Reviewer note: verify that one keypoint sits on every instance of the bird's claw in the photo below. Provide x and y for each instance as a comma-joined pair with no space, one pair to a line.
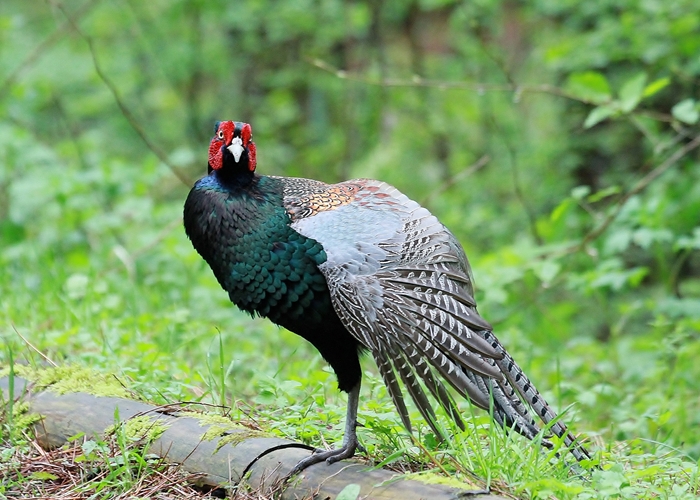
329,456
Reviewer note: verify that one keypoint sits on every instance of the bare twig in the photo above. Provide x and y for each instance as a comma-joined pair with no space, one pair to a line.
72,131
511,86
162,156
72,478
674,276
46,358
474,167
129,259
418,81
638,187
518,190
517,185
162,234
43,47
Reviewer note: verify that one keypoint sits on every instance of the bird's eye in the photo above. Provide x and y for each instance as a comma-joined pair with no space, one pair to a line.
220,135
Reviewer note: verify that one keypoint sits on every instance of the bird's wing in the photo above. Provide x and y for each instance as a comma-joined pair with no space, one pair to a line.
401,284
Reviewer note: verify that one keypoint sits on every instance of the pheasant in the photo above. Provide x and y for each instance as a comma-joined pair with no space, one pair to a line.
358,267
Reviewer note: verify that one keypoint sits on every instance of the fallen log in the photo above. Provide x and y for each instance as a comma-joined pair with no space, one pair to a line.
221,453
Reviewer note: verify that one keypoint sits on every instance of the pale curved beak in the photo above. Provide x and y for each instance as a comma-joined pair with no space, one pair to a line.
236,148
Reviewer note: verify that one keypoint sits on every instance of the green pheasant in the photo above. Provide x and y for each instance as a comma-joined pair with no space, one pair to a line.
358,267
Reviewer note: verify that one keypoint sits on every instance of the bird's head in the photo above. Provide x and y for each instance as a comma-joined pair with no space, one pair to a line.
232,147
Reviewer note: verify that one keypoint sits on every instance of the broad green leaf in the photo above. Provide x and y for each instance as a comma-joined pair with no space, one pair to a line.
11,232
677,308
686,111
597,115
393,457
617,280
580,192
350,492
664,417
631,92
590,86
645,236
76,286
618,241
546,270
603,193
652,470
75,437
560,209
689,242
655,86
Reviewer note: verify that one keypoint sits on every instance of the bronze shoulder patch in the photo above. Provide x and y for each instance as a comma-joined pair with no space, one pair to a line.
304,200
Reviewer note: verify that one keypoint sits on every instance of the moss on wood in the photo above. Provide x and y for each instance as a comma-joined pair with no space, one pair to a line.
71,378
140,428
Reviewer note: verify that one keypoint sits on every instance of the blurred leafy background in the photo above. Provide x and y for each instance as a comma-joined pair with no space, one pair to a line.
557,139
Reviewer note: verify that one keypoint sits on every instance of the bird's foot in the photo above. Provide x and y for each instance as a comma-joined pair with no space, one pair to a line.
330,456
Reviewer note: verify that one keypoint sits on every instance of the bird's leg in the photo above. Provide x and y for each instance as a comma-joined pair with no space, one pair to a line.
350,442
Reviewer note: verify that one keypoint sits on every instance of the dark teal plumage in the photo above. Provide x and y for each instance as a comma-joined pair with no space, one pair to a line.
267,268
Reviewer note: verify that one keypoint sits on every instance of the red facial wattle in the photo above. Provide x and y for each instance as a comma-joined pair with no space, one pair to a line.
226,137
252,160
215,154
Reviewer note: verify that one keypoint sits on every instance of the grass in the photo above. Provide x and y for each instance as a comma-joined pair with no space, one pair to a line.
110,282
110,468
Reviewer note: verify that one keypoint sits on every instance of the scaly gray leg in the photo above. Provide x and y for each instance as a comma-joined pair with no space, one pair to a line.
350,443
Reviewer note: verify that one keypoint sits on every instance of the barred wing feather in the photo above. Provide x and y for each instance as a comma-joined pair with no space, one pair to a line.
401,284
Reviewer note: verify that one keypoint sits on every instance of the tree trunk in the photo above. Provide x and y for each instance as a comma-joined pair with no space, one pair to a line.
262,460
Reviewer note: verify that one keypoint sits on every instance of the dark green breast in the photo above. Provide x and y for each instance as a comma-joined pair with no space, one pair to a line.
266,267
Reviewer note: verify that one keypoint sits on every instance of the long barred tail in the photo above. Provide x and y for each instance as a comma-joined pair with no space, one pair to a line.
529,393
427,332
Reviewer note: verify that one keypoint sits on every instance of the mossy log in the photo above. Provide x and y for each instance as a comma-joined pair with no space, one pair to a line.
221,455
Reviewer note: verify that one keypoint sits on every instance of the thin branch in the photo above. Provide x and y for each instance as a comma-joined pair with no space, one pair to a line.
72,130
517,185
46,358
43,47
129,259
517,188
512,86
471,169
495,58
162,156
640,186
674,275
418,81
162,234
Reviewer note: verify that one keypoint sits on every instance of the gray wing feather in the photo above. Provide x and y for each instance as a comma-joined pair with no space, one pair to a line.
401,284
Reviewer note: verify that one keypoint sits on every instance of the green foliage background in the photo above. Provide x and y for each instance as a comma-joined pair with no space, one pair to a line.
539,132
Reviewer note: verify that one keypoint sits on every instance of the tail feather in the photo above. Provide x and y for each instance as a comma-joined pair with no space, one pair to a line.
389,376
436,388
445,332
390,359
421,324
448,369
529,393
441,337
415,390
450,316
